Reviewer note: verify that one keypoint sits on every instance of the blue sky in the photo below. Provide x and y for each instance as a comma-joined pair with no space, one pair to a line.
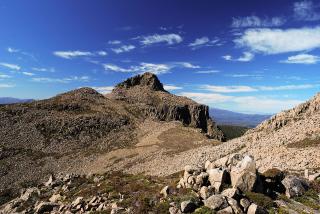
246,56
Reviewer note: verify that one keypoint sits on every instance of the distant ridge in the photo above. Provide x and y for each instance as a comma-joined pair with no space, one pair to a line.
225,117
12,100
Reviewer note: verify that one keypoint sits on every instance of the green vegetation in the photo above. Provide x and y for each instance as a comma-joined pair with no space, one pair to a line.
204,210
231,131
260,199
309,199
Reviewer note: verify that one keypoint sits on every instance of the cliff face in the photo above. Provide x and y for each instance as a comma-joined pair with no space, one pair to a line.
147,94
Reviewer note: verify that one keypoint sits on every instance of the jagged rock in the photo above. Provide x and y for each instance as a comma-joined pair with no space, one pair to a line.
230,192
222,162
174,210
243,175
30,193
227,210
43,207
206,192
56,197
255,209
216,202
314,176
217,178
234,205
245,203
188,206
208,165
77,201
165,191
294,186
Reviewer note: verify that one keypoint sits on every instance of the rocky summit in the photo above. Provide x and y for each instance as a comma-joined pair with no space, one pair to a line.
141,149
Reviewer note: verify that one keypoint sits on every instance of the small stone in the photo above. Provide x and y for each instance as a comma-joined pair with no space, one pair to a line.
227,210
77,201
230,192
255,209
165,191
294,185
245,203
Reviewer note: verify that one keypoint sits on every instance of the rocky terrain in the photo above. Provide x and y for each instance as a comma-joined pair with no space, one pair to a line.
74,131
114,154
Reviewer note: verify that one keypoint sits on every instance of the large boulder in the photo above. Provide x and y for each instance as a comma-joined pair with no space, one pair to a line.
218,177
244,175
216,202
294,186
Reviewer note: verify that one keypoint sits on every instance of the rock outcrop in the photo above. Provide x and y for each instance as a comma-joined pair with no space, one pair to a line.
147,95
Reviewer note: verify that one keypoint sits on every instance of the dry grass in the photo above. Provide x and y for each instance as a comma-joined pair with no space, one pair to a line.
305,143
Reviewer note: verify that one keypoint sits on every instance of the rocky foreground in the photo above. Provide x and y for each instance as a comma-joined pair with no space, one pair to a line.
230,185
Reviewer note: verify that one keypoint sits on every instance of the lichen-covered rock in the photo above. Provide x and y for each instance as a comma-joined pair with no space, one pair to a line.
216,202
294,186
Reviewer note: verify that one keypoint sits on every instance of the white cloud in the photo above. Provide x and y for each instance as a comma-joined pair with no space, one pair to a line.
12,50
286,87
114,42
171,87
4,76
141,68
102,53
228,89
111,67
104,89
252,104
227,57
245,75
28,73
61,80
11,66
153,68
7,85
275,41
43,69
208,72
72,54
305,10
246,57
245,88
204,41
187,65
302,59
123,48
170,39
254,21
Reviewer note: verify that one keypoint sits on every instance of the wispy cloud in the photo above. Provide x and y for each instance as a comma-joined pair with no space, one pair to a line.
114,42
275,41
245,88
11,66
246,57
302,59
187,65
172,87
4,76
252,104
102,53
203,42
255,21
169,39
72,54
208,72
43,69
141,68
28,73
12,50
104,89
61,80
245,75
7,85
123,48
228,89
306,11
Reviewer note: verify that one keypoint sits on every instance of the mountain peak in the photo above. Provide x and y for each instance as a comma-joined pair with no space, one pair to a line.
147,79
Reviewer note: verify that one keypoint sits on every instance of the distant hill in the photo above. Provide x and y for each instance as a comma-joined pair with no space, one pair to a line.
11,100
225,117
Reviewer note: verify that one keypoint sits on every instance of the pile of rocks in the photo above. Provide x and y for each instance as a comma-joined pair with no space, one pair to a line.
50,197
223,186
